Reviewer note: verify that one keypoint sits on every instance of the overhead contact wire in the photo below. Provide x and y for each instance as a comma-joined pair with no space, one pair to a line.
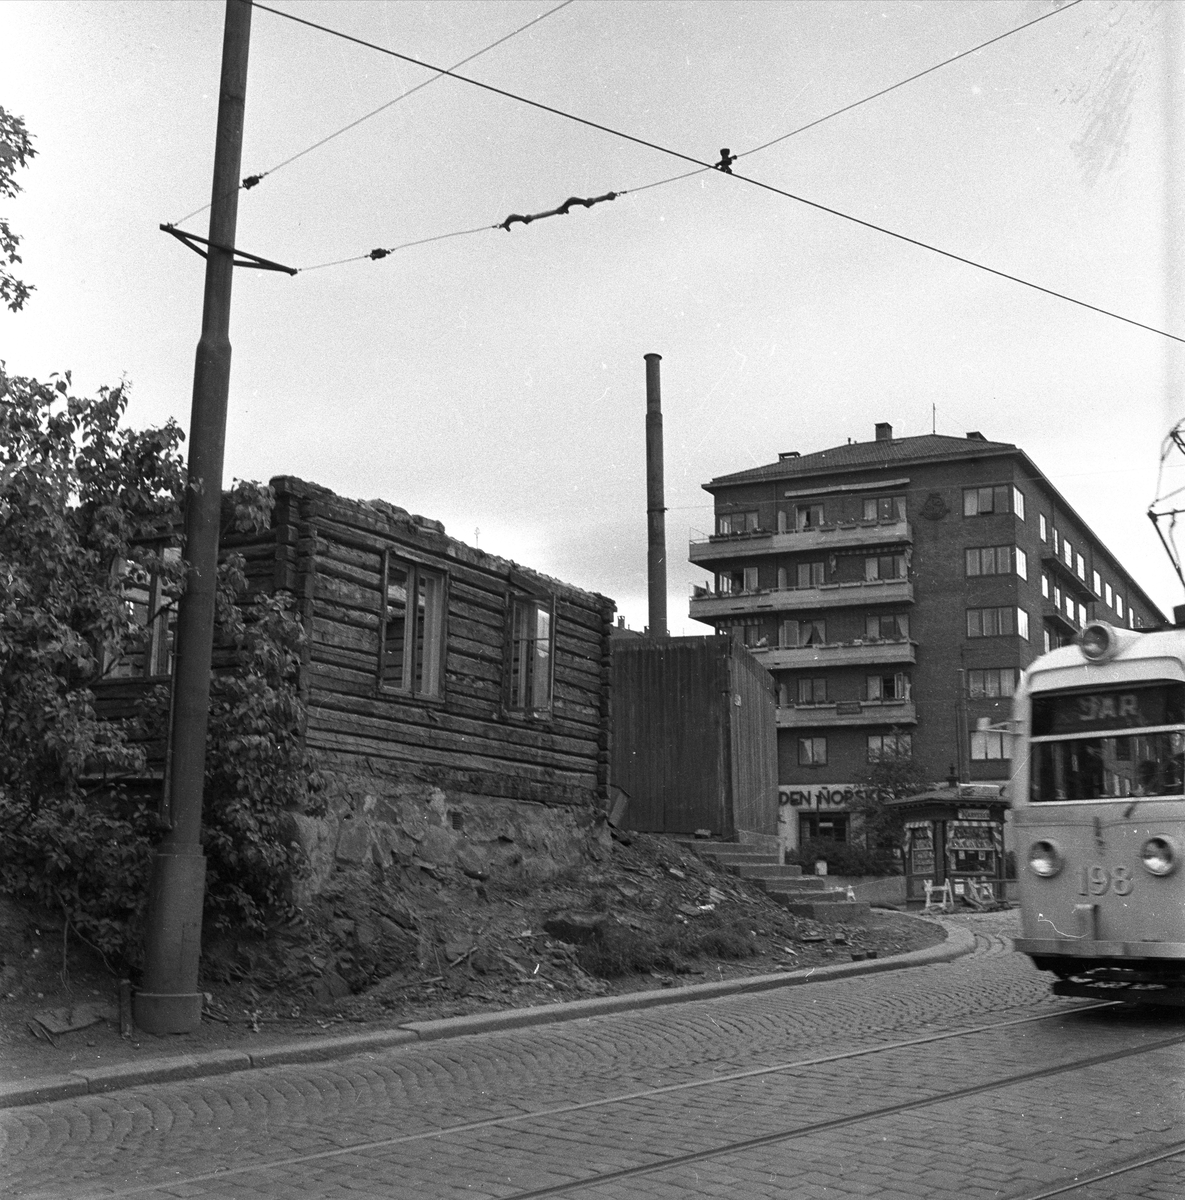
769,187
251,180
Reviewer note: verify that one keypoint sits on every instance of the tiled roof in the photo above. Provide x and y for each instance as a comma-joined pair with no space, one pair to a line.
869,454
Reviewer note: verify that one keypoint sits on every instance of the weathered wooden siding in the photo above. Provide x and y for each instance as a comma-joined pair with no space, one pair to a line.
684,752
753,739
468,738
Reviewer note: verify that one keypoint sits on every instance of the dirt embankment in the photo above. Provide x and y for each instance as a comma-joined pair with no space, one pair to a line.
646,913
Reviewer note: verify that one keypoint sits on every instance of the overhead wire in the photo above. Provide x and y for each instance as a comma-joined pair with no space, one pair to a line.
250,181
640,141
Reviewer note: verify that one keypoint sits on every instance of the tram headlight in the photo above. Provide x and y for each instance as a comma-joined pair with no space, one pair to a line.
1158,856
1045,859
1097,641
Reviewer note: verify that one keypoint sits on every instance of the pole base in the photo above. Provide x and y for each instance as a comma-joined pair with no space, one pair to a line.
176,1012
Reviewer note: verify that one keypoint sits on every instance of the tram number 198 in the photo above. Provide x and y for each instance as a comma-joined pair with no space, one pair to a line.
1097,880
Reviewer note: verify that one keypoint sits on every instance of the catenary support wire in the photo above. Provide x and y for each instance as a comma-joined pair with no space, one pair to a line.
252,180
700,163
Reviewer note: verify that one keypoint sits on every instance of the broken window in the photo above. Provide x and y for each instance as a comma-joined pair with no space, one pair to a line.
153,615
411,629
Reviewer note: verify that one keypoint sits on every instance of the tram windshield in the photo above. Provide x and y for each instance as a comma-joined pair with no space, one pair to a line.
1108,743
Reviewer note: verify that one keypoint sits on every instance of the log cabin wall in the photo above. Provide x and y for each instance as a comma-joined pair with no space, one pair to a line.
468,732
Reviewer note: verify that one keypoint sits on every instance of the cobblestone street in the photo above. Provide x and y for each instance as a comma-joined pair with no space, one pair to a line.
965,1078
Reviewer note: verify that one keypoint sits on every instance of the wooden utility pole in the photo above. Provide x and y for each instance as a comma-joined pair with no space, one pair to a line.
169,1000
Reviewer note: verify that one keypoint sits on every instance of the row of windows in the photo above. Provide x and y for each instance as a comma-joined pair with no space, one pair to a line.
987,745
803,517
812,574
412,635
992,501
881,747
1003,621
997,622
813,690
1064,549
413,631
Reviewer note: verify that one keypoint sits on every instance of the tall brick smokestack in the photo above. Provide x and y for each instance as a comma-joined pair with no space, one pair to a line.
656,550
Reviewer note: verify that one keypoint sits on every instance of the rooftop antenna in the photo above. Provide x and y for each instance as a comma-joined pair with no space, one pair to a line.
933,418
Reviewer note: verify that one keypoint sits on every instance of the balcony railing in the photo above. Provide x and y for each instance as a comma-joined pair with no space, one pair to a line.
848,713
1067,576
867,652
844,535
706,604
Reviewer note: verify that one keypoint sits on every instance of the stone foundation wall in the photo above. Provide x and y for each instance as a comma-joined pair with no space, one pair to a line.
374,823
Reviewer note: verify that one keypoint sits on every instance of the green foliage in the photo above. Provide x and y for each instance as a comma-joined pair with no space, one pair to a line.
16,149
81,502
891,778
843,858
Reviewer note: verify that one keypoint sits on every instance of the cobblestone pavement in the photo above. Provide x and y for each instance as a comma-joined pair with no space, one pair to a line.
826,1090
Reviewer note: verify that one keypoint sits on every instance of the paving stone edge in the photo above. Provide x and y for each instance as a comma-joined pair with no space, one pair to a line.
959,941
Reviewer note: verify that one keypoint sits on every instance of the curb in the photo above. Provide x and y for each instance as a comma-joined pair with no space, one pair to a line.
91,1081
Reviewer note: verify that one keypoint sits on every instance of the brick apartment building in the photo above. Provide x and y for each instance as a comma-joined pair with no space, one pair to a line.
896,589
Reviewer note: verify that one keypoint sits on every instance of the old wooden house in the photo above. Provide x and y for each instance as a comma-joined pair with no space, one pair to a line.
458,703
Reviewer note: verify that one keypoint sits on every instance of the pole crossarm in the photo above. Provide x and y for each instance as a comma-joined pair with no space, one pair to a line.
242,258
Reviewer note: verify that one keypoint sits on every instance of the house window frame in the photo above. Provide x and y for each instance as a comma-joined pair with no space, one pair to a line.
416,573
876,744
156,657
515,695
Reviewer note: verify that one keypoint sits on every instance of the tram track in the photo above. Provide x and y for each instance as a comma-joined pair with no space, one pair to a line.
675,1161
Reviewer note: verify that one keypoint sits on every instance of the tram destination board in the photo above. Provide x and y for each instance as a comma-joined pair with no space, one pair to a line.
1128,707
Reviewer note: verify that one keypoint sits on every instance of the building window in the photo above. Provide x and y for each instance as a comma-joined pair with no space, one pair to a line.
1069,606
804,633
1080,567
808,516
1110,595
1018,502
885,566
1045,586
890,747
990,744
889,687
152,613
992,622
886,626
812,751
985,501
1119,605
531,654
1022,623
991,683
731,583
750,579
1097,583
1042,528
1048,641
996,560
737,522
812,691
411,629
1068,553
822,827
1081,614
810,575
884,508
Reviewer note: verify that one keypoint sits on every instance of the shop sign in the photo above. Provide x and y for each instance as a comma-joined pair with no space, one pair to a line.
823,795
975,814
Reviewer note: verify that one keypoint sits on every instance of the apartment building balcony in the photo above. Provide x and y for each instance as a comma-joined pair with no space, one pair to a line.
848,713
1056,619
847,535
1067,577
707,606
869,652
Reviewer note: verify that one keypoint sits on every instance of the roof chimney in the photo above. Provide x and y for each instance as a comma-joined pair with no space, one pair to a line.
785,454
975,436
884,431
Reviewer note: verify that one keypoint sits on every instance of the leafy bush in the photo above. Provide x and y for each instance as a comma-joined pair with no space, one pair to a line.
843,858
79,497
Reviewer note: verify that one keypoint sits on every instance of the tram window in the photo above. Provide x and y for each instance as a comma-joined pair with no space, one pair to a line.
1108,767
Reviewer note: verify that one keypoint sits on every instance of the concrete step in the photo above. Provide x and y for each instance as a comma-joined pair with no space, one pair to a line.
731,849
780,889
792,874
834,912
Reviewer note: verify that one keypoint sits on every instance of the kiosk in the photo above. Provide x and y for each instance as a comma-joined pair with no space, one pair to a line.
954,835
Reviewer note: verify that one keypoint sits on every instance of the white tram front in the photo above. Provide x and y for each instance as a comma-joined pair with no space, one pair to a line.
1098,802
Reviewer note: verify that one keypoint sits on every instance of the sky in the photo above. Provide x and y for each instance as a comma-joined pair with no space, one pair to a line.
495,381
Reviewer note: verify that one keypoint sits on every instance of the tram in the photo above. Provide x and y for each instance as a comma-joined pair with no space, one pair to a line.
1098,801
